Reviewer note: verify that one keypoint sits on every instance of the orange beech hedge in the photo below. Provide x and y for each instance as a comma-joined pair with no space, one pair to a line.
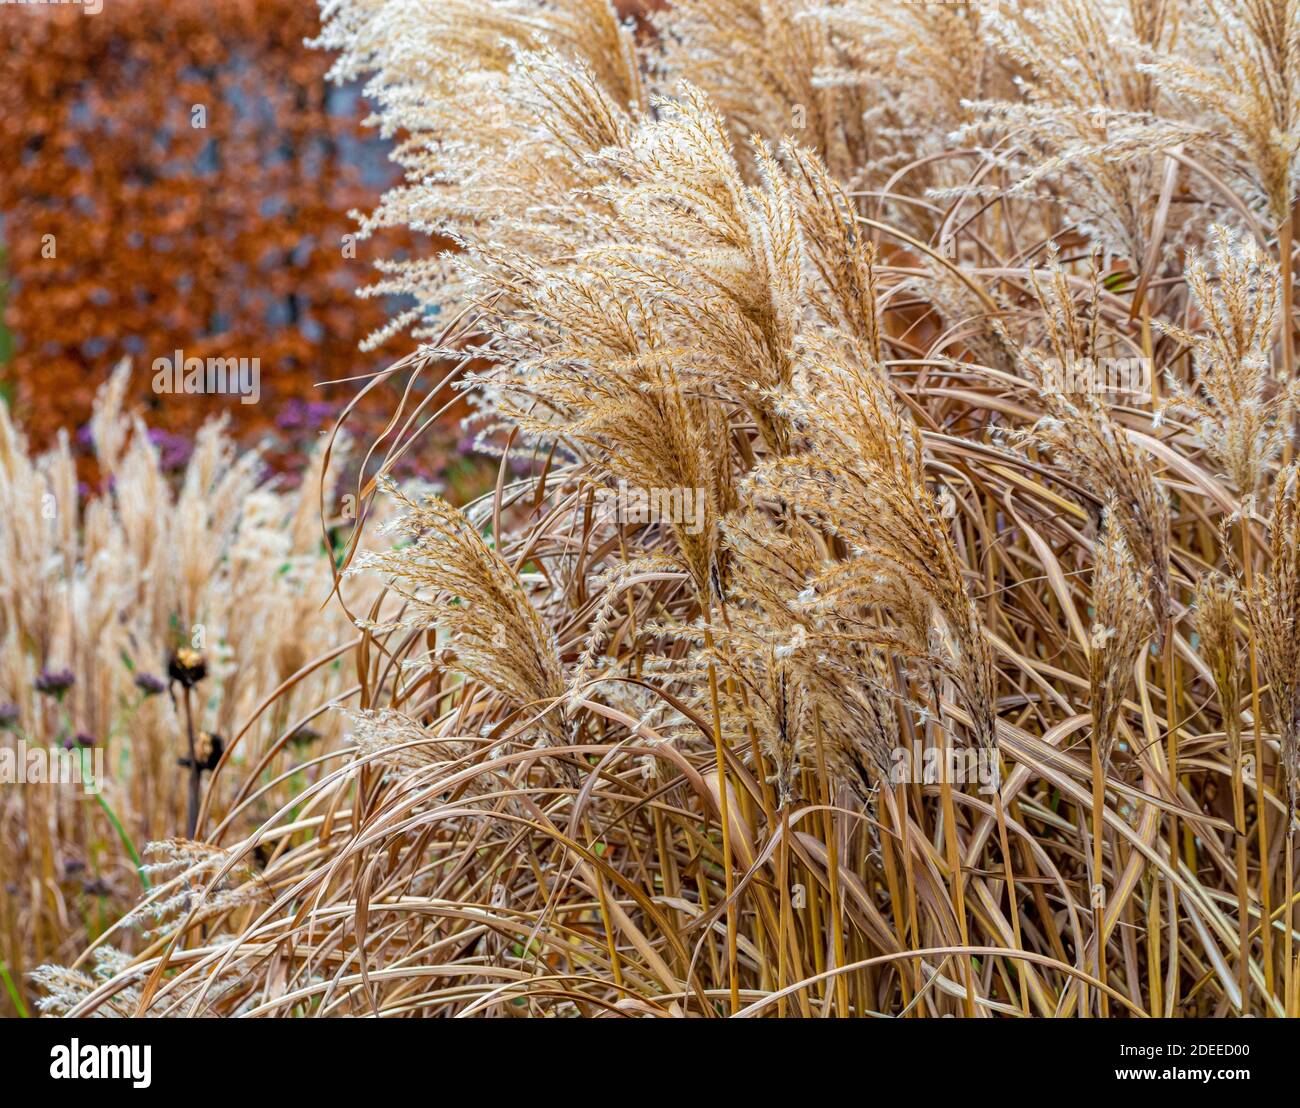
178,177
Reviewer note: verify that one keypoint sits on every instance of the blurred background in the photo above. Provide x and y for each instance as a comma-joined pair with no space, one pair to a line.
180,176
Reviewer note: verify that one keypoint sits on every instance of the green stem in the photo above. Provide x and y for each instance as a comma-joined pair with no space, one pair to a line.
12,990
117,826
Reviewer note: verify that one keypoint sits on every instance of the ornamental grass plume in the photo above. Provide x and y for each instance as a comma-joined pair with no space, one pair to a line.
1240,414
1082,435
863,481
765,66
453,581
1083,121
1121,625
1237,63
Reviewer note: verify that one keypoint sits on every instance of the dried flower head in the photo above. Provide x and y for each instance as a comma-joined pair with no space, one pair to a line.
187,667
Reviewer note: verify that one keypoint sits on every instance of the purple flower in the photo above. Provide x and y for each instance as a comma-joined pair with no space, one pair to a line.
8,715
54,682
297,415
173,450
150,685
293,416
320,412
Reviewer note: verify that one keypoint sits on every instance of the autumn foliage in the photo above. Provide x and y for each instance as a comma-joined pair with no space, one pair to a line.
179,176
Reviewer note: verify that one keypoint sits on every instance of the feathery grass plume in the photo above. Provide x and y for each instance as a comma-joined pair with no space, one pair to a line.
456,583
1086,441
1083,119
549,206
1238,66
27,539
182,870
781,674
836,626
1242,426
923,60
861,723
844,294
692,302
608,383
1121,625
734,309
1273,604
401,744
64,988
491,149
863,481
119,980
806,650
1215,612
765,697
761,62
916,67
